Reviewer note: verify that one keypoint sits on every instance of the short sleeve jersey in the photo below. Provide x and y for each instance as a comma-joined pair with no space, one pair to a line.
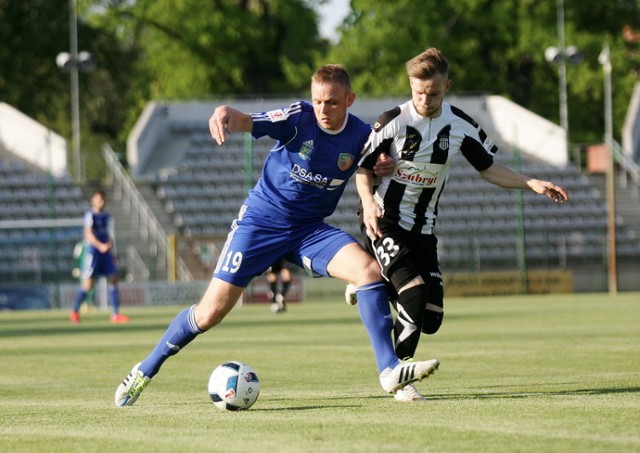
99,222
307,170
423,149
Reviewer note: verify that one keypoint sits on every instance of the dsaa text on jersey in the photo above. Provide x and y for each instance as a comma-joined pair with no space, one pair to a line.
307,177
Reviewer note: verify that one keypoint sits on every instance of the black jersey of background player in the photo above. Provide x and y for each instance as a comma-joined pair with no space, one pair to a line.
423,149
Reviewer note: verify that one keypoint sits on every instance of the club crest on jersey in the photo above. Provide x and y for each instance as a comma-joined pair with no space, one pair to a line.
444,143
306,149
345,161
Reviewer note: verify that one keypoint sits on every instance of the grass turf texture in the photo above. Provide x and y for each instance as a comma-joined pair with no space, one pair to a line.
538,373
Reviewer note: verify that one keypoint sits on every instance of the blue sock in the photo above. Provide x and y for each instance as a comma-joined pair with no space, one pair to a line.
80,295
180,332
373,305
114,297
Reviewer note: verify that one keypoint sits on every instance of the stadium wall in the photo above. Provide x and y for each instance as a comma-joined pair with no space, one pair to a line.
501,119
526,131
32,142
457,284
631,127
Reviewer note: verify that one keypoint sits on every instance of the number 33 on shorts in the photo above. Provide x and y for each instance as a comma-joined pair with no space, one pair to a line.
386,250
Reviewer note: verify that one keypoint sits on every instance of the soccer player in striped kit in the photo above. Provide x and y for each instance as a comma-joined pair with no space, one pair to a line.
317,148
279,279
422,136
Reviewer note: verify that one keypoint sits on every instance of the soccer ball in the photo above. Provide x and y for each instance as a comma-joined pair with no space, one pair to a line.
234,386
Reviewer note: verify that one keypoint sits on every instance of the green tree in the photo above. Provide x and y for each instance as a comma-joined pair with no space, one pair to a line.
198,49
495,47
31,37
195,49
32,33
150,50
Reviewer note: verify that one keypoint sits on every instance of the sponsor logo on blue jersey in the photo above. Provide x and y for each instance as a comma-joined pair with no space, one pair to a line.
276,115
306,176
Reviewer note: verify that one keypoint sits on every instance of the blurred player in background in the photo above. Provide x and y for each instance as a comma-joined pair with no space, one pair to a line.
279,279
422,136
317,148
100,259
79,254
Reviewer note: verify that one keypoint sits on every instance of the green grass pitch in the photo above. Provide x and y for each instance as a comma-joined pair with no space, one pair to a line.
549,373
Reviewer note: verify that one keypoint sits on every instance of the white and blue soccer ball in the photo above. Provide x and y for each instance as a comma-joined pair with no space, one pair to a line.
233,386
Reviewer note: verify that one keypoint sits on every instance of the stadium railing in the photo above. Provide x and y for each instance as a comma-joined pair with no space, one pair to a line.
149,227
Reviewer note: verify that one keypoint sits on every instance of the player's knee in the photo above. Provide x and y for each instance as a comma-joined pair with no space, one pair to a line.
434,309
367,274
432,321
412,302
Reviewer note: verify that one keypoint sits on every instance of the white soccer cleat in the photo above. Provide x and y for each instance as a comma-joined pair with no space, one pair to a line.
128,392
278,305
350,294
406,372
409,394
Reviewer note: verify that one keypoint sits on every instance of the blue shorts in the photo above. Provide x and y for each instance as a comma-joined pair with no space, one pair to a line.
96,264
255,242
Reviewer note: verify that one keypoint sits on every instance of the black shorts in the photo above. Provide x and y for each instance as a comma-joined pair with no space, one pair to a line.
404,255
279,265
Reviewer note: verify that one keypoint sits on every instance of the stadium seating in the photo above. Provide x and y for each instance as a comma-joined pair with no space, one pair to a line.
479,225
37,254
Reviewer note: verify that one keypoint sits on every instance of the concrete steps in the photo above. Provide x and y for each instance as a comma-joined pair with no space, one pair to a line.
186,248
127,231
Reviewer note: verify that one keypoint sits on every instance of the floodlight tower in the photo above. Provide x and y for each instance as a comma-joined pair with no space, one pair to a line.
73,62
560,56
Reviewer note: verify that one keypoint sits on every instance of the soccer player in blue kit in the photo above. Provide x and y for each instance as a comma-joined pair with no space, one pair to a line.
99,258
317,148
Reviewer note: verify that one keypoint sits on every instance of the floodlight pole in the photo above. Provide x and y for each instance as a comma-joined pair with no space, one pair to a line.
605,60
75,90
562,75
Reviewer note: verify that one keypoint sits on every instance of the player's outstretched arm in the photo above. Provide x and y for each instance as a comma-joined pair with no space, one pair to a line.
504,177
556,193
226,120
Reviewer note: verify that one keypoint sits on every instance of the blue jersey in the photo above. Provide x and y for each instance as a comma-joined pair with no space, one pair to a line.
307,171
302,180
96,263
100,224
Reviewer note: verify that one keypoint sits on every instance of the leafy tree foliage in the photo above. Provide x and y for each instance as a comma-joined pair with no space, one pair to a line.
197,49
160,49
496,47
30,33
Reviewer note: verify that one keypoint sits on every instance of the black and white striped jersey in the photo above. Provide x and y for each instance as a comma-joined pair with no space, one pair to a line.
422,149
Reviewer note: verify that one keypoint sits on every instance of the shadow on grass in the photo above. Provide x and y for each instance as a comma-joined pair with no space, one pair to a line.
535,394
306,408
80,329
94,325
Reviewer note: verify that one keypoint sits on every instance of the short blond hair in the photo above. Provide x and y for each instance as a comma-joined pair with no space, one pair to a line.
332,73
427,64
